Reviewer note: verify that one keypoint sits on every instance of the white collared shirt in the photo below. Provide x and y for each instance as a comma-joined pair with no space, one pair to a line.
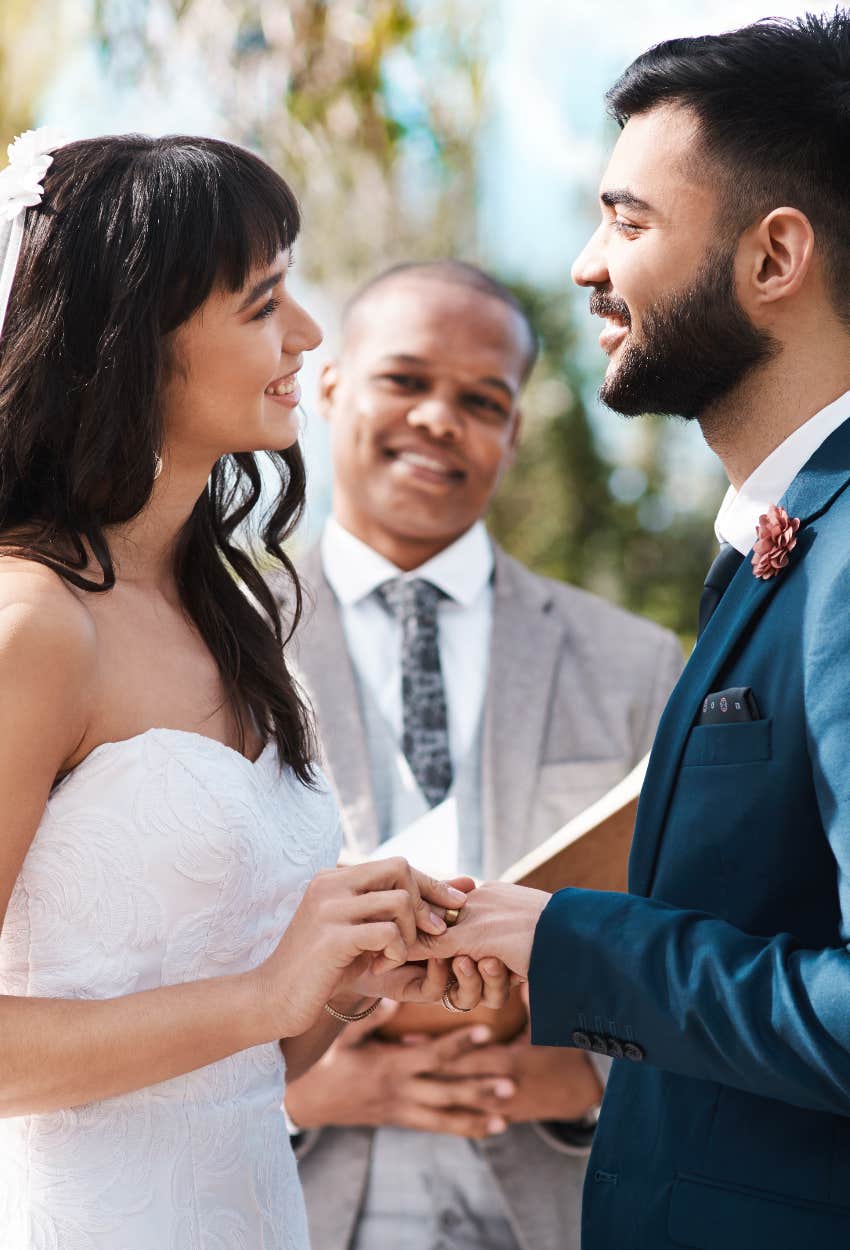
464,572
739,513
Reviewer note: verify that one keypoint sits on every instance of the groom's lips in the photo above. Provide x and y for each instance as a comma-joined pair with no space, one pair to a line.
614,333
617,320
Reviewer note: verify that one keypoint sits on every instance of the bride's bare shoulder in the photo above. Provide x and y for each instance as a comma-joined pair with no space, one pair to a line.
40,612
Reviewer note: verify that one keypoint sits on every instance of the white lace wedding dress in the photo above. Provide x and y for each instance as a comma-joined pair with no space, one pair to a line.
162,859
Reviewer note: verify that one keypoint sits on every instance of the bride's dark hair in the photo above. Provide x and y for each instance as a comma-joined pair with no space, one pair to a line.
131,237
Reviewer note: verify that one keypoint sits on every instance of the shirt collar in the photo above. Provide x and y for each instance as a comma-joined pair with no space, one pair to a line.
354,569
739,513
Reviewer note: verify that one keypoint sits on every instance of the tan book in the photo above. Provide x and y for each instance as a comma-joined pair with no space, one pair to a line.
590,851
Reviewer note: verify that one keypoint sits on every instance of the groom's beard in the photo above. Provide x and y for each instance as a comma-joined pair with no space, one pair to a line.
698,344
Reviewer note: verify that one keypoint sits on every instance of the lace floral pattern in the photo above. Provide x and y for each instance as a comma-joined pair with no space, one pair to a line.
162,859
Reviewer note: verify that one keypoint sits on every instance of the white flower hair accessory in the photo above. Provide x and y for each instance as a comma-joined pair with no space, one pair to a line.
21,187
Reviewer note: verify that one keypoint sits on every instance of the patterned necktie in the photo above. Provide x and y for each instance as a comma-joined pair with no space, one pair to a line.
425,734
723,568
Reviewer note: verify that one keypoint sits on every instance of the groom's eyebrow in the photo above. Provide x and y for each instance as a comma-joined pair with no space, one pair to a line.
621,197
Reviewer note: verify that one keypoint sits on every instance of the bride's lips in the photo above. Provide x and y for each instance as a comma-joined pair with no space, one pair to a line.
285,390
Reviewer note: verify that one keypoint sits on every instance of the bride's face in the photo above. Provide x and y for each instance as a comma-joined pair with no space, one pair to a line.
234,380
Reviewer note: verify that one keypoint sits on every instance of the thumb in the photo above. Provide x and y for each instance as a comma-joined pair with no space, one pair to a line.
361,1030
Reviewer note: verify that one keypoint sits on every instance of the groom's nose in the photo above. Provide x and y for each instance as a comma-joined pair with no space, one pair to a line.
590,267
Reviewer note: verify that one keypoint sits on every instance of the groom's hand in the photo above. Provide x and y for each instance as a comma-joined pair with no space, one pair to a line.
362,1080
497,920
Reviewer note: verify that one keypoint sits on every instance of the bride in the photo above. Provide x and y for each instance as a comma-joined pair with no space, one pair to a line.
174,935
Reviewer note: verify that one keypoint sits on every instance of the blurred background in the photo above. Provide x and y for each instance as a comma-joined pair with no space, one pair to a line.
418,129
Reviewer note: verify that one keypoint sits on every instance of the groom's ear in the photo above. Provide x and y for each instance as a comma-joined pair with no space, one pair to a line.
328,383
775,259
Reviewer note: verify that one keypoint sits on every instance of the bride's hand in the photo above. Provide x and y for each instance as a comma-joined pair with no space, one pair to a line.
487,983
350,918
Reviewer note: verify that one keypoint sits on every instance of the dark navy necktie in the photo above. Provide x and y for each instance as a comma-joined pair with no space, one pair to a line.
425,724
723,568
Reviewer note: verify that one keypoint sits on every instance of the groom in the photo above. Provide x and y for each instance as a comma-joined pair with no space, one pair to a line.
721,983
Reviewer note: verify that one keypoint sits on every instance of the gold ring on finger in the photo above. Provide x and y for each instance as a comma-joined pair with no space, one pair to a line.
447,999
451,916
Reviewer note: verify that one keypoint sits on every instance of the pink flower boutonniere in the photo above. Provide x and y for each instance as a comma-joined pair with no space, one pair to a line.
776,538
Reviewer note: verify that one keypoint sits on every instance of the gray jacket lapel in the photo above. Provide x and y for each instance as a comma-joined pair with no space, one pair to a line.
324,668
526,645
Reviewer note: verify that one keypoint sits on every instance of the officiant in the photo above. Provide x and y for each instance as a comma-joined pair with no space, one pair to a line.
471,707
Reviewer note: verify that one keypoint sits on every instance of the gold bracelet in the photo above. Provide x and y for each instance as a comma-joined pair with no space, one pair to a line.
360,1015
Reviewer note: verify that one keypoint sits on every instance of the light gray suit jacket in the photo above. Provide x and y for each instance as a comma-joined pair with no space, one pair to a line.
575,690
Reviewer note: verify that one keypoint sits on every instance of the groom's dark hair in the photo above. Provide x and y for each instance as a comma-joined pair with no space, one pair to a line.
772,102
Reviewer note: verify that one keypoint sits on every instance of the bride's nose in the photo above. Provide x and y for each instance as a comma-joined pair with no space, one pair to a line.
302,334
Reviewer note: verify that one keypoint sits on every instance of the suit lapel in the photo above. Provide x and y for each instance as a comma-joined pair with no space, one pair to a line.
744,597
324,665
825,475
524,650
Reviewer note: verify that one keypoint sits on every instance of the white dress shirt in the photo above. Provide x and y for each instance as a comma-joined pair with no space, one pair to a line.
464,571
738,517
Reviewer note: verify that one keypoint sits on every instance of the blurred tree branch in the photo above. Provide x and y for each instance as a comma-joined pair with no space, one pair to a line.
369,108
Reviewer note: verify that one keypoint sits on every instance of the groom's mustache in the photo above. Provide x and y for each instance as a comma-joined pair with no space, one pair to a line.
602,305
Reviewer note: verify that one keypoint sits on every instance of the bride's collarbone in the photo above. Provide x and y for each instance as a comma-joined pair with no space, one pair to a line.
155,672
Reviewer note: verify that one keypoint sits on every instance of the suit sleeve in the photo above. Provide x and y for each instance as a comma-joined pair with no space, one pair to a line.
700,997
569,1137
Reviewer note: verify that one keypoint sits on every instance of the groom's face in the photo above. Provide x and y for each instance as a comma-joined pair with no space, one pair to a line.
662,273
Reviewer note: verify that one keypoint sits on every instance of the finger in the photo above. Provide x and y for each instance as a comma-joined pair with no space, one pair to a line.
384,938
496,982
433,985
481,1061
448,1049
465,884
442,945
466,994
433,894
457,1123
395,873
484,1094
359,1030
387,905
410,983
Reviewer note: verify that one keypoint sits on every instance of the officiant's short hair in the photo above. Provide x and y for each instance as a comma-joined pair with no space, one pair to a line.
772,105
456,273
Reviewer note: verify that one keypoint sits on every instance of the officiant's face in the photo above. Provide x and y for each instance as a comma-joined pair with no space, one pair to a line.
662,271
423,410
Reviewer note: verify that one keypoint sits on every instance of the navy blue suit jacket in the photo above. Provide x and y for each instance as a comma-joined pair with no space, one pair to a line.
723,977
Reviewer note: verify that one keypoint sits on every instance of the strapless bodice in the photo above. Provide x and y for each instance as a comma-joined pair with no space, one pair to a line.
163,858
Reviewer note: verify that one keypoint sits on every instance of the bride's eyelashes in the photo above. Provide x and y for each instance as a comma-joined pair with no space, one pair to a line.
270,307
